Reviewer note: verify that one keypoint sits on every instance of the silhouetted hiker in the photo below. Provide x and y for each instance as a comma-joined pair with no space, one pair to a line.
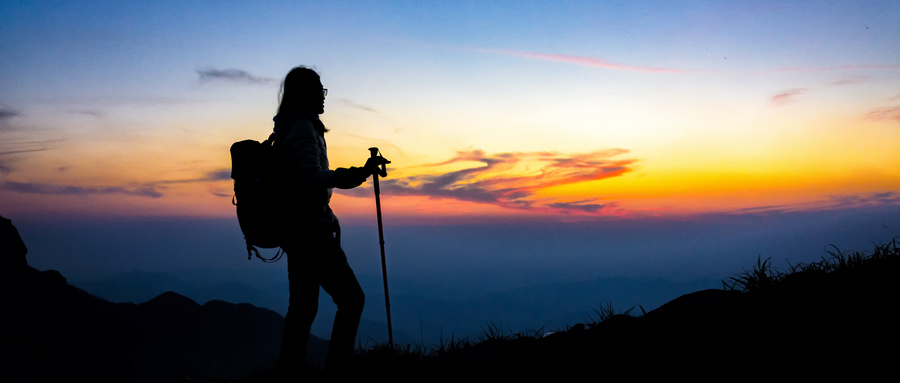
313,248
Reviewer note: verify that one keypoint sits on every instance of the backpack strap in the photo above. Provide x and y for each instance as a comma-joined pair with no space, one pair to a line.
252,250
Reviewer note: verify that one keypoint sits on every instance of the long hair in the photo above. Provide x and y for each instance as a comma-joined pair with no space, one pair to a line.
299,93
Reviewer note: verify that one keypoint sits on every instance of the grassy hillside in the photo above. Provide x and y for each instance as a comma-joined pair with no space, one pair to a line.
832,319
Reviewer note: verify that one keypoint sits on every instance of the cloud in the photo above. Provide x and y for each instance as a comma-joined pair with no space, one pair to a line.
87,112
231,75
799,69
357,106
787,96
43,188
586,61
829,202
7,113
580,206
822,69
894,66
512,180
884,114
218,192
862,200
11,151
212,176
219,175
148,189
7,152
18,147
849,81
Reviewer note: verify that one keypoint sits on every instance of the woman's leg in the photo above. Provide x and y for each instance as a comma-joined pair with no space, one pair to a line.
340,283
302,307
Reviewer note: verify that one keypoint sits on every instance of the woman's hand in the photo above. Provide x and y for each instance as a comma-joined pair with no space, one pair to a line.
375,165
350,178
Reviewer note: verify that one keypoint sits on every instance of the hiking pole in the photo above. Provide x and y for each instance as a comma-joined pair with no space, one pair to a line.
387,299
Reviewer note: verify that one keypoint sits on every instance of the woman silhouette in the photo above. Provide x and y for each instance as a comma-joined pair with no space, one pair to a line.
312,240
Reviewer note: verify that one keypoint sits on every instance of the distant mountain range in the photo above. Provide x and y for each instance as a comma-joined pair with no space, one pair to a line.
57,332
421,314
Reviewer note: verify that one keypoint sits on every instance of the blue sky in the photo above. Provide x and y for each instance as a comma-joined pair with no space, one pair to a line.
131,104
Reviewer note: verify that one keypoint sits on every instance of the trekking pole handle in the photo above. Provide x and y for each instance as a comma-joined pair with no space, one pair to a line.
375,153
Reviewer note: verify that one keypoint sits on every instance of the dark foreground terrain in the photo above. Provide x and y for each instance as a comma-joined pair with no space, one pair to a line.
55,332
831,320
834,320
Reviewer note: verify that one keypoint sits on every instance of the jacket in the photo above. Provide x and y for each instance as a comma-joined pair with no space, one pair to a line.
302,149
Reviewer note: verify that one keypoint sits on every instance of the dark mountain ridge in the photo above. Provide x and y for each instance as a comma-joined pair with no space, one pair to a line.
60,333
54,331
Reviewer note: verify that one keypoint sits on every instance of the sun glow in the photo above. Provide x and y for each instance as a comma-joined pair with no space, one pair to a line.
509,126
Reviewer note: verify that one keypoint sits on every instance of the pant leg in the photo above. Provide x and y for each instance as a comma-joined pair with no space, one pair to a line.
303,304
338,280
318,260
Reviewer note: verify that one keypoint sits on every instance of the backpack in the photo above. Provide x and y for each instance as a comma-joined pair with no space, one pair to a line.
259,195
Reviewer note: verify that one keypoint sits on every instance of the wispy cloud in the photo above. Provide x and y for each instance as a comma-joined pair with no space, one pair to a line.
219,175
230,75
884,114
11,152
863,200
212,176
219,192
45,188
512,180
148,189
19,151
849,81
586,61
799,69
585,206
845,201
88,112
357,106
7,113
822,69
892,66
787,96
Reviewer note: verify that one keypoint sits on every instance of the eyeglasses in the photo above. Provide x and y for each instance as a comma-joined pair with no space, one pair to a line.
324,92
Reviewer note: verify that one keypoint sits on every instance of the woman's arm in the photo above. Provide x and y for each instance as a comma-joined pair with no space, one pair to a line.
308,158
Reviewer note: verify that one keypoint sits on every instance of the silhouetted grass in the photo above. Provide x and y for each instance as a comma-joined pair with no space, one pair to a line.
761,276
764,276
605,312
460,357
497,332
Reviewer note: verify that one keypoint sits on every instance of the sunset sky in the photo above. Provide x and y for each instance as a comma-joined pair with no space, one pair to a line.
485,108
531,142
